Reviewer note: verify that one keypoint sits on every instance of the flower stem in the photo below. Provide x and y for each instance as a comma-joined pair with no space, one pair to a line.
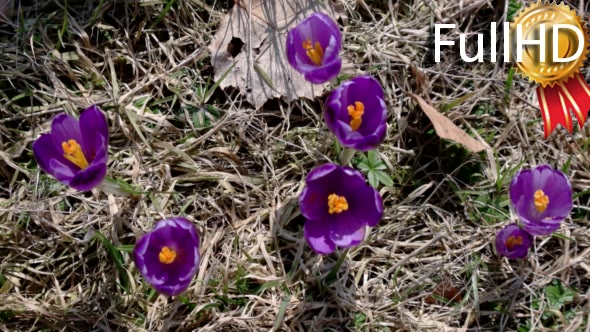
346,156
331,277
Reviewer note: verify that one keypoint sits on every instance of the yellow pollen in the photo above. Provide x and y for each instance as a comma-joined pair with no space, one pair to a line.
73,152
315,52
513,241
167,255
337,204
541,200
356,112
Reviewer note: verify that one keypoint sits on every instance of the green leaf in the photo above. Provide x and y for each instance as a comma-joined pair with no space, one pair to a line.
581,193
525,328
457,102
563,237
373,158
364,167
359,320
281,314
558,295
513,8
509,82
162,14
567,164
373,180
384,178
204,117
117,259
216,85
126,248
187,302
380,167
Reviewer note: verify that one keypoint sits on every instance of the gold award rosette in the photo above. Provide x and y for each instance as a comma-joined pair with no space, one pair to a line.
561,86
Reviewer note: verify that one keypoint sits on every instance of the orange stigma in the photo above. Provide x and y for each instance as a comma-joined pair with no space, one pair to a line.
167,255
315,52
73,152
356,112
541,200
337,204
513,241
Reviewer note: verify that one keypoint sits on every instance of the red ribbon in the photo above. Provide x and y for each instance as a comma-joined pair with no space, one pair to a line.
557,101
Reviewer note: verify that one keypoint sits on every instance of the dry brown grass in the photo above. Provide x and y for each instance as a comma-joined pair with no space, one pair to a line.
238,179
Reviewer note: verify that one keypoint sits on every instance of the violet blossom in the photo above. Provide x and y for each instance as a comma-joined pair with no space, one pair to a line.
513,242
313,48
541,198
356,114
76,151
338,205
168,256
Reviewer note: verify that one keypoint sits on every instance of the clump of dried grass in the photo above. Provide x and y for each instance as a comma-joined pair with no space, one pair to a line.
239,178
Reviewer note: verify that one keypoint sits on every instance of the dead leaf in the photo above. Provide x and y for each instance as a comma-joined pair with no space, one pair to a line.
445,128
250,49
445,291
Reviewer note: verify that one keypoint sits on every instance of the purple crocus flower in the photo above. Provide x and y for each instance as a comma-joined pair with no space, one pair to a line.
338,204
313,48
356,113
542,199
75,152
168,256
513,242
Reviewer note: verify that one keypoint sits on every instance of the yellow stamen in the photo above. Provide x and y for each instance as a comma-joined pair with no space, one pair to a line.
315,52
73,152
513,241
541,200
356,112
167,255
337,204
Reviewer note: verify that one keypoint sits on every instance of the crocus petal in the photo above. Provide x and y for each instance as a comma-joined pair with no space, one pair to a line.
158,274
296,55
559,190
376,122
65,128
93,125
332,49
51,160
516,188
347,231
172,289
321,171
313,201
325,73
317,234
89,178
94,174
329,37
541,227
146,259
61,172
371,210
188,262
